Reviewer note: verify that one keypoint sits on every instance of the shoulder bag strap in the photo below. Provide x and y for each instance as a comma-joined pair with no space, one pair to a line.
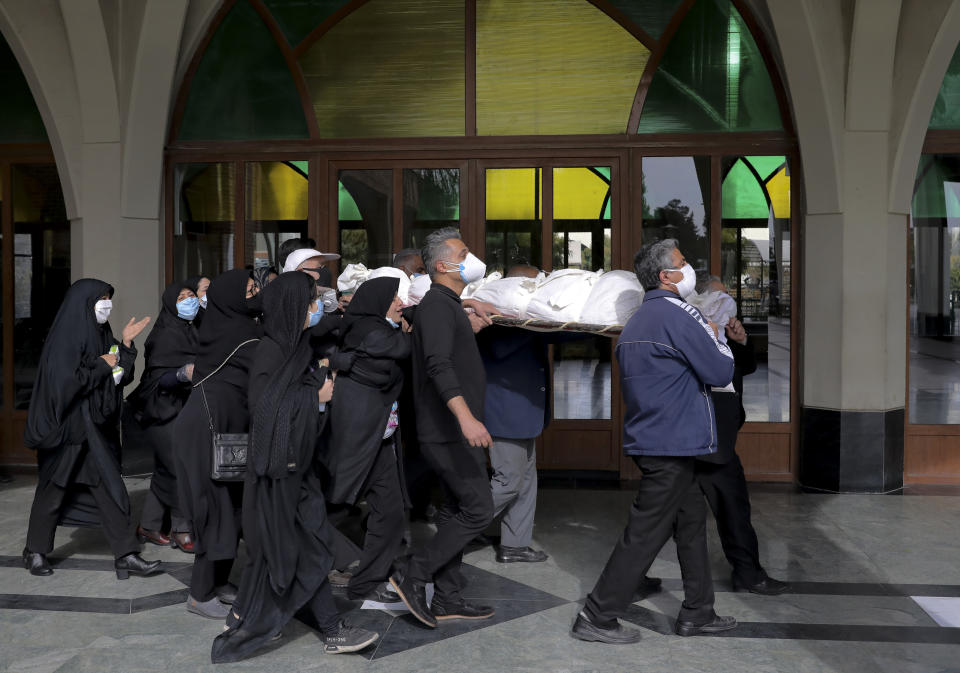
248,341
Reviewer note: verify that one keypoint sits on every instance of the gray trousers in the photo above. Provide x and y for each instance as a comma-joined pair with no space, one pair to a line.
514,486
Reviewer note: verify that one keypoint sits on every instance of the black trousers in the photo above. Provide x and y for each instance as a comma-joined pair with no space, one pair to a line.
381,544
208,575
668,502
725,487
46,511
466,511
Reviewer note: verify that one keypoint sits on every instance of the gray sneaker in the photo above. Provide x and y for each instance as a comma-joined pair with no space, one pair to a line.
348,639
211,609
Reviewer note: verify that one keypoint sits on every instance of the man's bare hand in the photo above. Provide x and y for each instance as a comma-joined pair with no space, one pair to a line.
475,433
477,323
482,309
735,331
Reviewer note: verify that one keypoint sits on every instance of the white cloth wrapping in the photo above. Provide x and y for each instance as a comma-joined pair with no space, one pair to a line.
418,288
510,295
717,307
562,295
354,275
470,289
614,298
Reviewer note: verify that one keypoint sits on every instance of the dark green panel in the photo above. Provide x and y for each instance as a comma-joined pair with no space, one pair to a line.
243,89
653,17
946,111
711,78
20,120
297,18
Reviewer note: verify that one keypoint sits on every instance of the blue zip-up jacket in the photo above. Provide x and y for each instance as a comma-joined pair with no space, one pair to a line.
669,359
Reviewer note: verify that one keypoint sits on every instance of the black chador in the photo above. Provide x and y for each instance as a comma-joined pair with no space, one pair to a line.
288,538
73,424
223,365
156,403
360,461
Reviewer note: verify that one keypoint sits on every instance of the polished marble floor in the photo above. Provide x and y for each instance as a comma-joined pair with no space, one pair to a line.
876,583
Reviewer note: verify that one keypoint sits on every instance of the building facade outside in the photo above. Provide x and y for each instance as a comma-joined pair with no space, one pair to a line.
804,151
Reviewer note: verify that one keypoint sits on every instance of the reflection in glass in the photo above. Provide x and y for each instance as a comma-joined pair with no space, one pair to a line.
431,200
935,292
755,268
514,231
676,204
203,221
365,213
276,194
41,262
581,378
581,218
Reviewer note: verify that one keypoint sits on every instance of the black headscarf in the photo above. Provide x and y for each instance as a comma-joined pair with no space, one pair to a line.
228,322
172,343
287,346
367,311
75,340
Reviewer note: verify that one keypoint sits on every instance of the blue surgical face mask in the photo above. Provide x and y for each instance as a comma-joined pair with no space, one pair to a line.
314,318
188,308
393,323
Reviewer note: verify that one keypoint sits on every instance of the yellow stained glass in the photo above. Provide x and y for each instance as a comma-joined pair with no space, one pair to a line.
275,191
553,67
514,194
391,68
778,188
578,194
209,193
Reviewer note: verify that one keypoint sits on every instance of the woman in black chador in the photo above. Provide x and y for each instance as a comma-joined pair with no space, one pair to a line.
228,339
170,352
363,459
73,424
285,525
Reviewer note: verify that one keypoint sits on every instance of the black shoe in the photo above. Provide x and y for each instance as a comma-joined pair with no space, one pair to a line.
348,639
716,625
384,593
767,586
227,593
618,634
36,563
460,609
134,564
414,596
519,554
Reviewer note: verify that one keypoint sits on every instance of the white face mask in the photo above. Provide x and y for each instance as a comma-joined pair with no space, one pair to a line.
102,310
686,286
470,269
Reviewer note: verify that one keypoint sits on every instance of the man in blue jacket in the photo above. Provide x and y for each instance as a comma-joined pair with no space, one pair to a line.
669,358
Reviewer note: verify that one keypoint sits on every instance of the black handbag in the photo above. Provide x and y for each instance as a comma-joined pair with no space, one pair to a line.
229,458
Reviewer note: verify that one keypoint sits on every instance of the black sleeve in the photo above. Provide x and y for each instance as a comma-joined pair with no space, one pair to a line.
436,324
745,356
128,360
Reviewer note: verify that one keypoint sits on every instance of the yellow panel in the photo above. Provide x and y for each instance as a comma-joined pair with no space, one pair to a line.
514,194
778,187
275,191
209,194
548,67
578,194
392,68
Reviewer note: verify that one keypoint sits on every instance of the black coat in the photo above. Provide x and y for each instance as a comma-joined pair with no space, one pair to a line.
728,407
73,420
359,411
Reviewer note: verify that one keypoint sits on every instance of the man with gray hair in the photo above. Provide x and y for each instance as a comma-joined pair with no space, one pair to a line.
448,392
669,358
410,262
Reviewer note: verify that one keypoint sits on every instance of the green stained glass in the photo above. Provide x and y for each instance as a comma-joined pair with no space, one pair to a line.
742,195
766,166
946,110
347,209
297,18
712,78
653,17
302,166
242,89
20,119
938,193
